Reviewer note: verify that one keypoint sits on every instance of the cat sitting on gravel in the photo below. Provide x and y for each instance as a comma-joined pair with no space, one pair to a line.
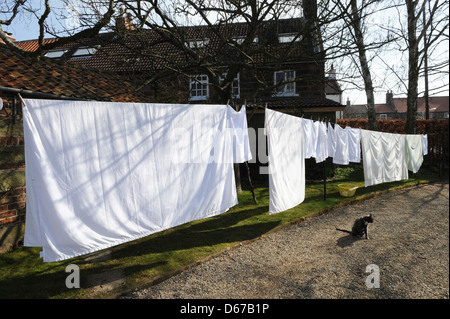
360,226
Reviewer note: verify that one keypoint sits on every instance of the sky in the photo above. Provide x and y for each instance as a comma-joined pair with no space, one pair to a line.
25,28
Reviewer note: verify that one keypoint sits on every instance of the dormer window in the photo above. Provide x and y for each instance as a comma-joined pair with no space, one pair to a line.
85,52
55,54
289,37
240,40
198,43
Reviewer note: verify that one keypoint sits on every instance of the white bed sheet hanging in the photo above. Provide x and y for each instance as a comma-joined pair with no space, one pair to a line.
414,152
384,157
341,155
241,143
99,174
309,138
322,142
286,160
354,144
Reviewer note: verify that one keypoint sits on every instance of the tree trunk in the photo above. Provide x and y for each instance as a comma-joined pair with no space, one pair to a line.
413,68
359,40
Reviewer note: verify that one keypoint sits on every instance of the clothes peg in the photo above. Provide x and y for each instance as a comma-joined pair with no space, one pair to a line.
21,99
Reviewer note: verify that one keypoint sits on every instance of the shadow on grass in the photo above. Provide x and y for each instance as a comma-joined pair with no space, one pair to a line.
47,285
221,229
47,280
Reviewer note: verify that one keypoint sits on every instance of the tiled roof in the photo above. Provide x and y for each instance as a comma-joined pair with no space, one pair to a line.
436,103
308,102
32,45
144,50
55,77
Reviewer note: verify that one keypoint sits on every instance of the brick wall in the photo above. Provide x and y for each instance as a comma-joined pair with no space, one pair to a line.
11,140
12,206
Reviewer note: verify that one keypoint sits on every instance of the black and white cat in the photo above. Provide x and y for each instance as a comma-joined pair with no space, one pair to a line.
360,226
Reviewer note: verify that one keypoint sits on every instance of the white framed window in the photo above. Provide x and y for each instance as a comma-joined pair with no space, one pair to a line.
198,43
198,87
235,86
241,39
287,77
383,116
289,37
85,52
55,54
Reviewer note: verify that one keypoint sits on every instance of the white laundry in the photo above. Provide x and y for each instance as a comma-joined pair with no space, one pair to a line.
341,155
99,174
241,144
286,161
310,138
414,152
354,144
331,140
322,142
425,144
384,157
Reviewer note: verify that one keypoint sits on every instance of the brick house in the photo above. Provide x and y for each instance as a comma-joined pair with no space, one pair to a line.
285,71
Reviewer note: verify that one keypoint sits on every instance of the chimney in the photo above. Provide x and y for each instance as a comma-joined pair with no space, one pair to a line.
124,22
390,100
310,9
332,73
9,36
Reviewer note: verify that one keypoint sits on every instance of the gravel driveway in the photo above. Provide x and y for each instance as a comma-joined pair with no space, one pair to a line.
408,251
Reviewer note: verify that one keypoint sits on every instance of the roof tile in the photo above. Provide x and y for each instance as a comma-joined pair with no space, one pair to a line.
50,76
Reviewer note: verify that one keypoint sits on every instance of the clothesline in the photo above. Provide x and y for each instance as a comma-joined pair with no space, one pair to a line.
386,156
99,174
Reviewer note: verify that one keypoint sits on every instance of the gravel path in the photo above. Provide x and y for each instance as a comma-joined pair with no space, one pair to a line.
409,242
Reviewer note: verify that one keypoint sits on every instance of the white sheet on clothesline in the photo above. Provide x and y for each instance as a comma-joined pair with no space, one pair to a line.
99,174
286,160
384,157
414,151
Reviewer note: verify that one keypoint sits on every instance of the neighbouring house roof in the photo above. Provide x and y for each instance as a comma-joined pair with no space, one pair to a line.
58,78
436,103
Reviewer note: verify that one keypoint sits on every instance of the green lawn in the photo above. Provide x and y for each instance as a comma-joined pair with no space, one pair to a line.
24,275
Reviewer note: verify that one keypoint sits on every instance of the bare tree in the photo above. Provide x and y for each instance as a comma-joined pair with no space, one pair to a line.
92,27
230,55
349,38
417,51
